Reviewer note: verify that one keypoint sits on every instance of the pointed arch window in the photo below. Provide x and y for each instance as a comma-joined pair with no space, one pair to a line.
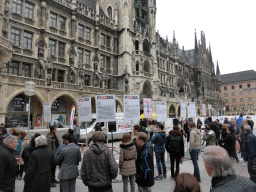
109,10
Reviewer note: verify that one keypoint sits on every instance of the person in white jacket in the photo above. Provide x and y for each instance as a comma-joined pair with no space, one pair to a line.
194,148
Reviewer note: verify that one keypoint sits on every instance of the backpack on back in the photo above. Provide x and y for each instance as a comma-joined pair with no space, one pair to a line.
175,142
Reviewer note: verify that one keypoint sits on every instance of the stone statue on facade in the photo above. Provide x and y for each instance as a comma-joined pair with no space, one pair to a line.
71,58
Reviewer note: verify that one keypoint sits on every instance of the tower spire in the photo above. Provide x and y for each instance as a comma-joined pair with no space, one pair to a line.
210,53
196,46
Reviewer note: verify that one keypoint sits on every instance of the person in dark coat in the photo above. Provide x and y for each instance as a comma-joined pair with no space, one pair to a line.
186,129
175,147
144,164
219,166
98,126
8,164
229,142
159,140
41,164
249,151
28,150
199,124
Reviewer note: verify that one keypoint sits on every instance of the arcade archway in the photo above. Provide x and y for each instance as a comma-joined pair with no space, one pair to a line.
17,111
172,113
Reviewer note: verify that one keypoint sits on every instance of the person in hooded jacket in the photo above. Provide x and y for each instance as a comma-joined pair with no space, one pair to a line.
99,166
175,147
127,158
194,148
144,164
159,140
209,136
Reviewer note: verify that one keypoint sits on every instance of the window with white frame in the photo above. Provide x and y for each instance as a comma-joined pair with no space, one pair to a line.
241,93
79,54
226,94
27,42
53,20
16,6
102,60
241,100
102,39
80,31
62,23
15,36
87,33
249,99
87,57
29,10
52,47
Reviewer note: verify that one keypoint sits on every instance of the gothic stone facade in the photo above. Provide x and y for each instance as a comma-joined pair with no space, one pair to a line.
72,49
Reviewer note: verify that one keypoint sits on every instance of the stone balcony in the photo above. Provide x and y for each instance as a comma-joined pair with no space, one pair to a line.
5,50
41,83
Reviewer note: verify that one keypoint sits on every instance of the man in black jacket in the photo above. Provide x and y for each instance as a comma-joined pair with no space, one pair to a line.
175,147
41,165
144,164
8,164
219,166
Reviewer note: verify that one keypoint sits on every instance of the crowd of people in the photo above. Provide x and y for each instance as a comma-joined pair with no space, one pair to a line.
38,157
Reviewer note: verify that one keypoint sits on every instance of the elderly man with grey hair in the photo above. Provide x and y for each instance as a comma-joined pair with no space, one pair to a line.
219,166
8,164
41,164
249,151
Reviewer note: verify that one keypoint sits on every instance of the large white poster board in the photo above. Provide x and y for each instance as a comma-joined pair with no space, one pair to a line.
204,109
161,111
192,109
131,107
105,108
122,126
182,108
47,111
147,102
85,111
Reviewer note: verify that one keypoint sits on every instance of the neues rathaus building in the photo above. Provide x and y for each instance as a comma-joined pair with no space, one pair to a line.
74,49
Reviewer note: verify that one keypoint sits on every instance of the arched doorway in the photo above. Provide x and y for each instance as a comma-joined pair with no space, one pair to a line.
61,110
172,113
119,108
145,93
17,112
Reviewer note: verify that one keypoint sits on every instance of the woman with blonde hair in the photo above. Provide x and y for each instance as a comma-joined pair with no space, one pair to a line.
127,158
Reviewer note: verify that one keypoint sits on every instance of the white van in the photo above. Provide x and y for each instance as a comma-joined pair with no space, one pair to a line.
121,127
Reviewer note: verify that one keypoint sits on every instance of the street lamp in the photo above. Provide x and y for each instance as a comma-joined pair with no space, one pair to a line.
30,85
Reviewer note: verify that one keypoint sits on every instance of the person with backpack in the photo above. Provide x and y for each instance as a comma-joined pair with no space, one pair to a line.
175,147
159,140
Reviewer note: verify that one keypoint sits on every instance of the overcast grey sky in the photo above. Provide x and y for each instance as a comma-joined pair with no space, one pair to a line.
229,26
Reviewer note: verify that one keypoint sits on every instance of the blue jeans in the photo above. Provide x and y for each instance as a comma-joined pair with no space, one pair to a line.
160,160
194,156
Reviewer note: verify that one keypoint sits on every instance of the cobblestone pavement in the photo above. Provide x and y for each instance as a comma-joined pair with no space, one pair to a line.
160,185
